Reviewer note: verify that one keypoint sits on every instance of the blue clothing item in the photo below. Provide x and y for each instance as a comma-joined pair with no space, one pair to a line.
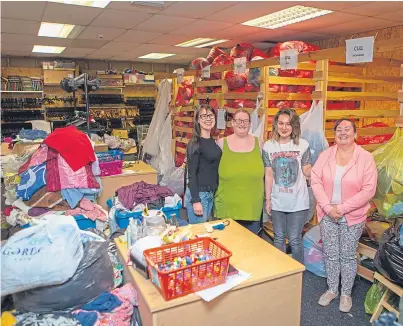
207,200
32,180
401,241
32,134
73,196
106,302
86,318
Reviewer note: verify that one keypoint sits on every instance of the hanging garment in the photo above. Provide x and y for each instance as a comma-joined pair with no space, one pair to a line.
164,161
60,175
70,142
151,144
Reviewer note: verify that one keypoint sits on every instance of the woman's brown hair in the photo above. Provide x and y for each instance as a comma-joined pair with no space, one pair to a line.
295,124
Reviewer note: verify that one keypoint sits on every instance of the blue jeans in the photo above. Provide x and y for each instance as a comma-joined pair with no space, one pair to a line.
289,224
207,200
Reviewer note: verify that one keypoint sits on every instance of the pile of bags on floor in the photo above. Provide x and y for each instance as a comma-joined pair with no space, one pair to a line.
58,274
59,178
389,162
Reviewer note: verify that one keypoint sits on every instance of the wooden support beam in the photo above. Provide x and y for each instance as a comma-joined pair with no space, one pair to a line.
184,119
344,79
290,81
371,147
182,129
240,96
400,96
355,96
289,96
339,114
210,83
187,108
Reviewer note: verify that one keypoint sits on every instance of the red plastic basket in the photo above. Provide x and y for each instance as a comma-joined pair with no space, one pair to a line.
188,279
111,168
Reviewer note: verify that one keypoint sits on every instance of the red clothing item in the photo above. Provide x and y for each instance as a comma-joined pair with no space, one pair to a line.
73,145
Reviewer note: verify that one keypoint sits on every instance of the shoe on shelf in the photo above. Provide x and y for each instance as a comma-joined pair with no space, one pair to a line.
326,298
346,303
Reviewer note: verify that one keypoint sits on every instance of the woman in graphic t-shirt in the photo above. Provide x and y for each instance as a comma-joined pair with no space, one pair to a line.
287,161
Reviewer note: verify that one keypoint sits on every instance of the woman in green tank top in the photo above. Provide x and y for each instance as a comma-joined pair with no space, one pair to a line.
241,176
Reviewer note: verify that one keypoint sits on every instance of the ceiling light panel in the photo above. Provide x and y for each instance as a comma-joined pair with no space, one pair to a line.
96,4
210,43
286,17
48,49
55,30
156,56
194,42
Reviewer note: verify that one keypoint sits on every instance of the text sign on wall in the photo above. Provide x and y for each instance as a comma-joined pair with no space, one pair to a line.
360,50
289,59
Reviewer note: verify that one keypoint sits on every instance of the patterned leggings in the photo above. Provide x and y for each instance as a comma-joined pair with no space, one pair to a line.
340,243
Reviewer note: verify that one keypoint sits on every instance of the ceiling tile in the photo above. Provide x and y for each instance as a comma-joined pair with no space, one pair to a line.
375,8
94,33
137,36
88,44
70,14
202,28
170,39
99,56
106,53
267,35
78,51
315,24
163,24
395,15
236,32
52,41
121,46
301,36
15,26
32,39
119,19
128,6
335,5
196,9
364,25
14,53
33,10
247,10
16,47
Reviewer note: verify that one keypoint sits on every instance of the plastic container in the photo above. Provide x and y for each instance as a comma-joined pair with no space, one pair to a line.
110,162
84,223
155,224
122,217
188,279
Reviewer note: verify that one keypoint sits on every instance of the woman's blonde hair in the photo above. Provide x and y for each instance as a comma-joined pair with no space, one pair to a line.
295,124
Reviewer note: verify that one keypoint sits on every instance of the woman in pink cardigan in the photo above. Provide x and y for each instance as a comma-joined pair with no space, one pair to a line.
344,180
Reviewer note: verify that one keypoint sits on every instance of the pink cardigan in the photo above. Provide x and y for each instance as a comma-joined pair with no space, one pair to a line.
358,184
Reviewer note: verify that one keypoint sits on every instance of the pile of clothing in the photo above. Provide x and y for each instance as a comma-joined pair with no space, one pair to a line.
61,177
64,262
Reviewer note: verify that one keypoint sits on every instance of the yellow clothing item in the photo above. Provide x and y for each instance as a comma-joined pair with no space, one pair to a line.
8,319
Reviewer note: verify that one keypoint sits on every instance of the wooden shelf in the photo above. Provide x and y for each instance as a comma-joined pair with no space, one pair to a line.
111,87
338,114
22,92
60,69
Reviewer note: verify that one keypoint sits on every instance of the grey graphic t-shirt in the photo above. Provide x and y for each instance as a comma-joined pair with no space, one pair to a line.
290,191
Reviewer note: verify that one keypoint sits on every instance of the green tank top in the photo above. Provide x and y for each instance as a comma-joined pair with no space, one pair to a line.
241,185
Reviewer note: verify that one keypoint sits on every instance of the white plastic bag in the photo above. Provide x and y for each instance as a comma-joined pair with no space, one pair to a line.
257,125
45,254
314,258
175,180
312,129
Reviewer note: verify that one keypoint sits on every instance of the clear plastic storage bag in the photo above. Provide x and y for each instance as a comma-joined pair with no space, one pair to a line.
175,180
312,129
389,162
44,254
314,258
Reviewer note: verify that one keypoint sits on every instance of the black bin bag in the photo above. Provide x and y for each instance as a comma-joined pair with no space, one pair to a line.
389,257
93,276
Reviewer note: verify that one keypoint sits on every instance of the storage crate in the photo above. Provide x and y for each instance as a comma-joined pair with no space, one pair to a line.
84,223
110,162
188,279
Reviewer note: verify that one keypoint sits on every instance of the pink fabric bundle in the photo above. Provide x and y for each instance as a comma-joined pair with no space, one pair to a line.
89,209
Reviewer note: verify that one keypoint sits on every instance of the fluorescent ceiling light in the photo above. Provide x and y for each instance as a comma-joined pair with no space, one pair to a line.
157,4
194,42
48,49
287,17
156,56
55,30
96,4
210,43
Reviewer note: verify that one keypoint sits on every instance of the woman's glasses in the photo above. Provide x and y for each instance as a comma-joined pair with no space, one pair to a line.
239,122
207,116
